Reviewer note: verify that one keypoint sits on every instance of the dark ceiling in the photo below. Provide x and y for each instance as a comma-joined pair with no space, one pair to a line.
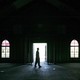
71,6
45,12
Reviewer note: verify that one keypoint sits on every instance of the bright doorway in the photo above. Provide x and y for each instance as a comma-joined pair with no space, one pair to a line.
42,51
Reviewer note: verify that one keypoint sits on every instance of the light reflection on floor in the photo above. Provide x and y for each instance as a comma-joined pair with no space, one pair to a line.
46,72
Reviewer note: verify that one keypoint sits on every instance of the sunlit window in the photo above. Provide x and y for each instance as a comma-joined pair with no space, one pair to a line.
74,49
5,49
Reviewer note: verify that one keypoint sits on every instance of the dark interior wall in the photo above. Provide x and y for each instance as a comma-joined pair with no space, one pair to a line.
26,50
22,49
28,58
17,49
58,47
51,50
61,50
29,48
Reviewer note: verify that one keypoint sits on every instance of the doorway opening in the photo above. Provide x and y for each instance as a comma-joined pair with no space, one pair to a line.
42,51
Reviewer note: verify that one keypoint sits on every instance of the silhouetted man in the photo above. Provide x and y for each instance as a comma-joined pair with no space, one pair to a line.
37,61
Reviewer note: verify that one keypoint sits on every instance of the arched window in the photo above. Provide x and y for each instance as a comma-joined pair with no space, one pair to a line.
5,49
74,49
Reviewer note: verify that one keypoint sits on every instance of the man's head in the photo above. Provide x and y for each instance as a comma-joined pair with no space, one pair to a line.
37,49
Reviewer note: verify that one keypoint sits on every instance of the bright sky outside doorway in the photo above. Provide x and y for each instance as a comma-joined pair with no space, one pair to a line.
42,50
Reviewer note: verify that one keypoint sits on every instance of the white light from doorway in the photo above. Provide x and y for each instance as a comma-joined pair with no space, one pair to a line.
42,51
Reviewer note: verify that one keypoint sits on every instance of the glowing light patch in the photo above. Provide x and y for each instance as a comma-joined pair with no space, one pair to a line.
42,51
1,71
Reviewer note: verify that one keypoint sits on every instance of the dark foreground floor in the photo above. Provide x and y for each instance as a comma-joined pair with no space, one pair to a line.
68,71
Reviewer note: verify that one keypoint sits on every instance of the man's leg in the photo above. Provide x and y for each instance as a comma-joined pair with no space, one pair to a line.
39,63
35,63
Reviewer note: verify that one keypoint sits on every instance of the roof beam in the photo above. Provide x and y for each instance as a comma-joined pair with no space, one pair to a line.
63,7
20,3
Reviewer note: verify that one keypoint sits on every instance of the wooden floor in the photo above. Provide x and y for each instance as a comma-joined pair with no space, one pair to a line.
67,71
